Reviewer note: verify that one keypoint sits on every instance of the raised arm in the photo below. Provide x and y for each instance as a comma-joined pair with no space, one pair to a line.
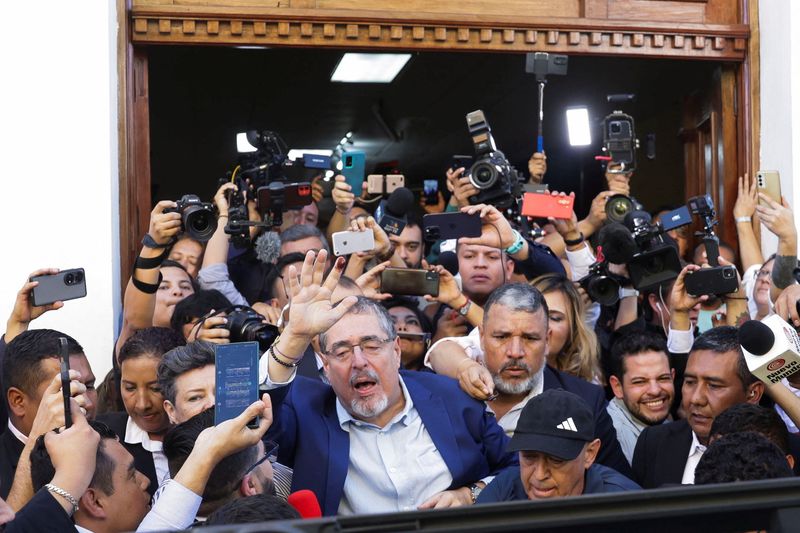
779,220
24,312
743,210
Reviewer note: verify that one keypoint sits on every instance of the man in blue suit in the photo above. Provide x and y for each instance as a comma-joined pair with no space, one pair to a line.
376,439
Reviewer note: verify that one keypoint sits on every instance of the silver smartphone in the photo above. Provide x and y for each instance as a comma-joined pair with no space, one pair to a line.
350,242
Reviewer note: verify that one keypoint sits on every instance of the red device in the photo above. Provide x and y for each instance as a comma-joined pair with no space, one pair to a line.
544,205
306,503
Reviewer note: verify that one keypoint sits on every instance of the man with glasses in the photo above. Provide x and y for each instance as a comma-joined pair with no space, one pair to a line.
244,473
376,439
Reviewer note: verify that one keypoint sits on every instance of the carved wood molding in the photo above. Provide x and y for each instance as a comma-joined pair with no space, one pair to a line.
306,27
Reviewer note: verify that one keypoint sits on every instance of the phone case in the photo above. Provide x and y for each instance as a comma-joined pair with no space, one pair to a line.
236,378
375,183
353,164
769,182
544,205
410,282
66,285
350,242
715,280
443,226
394,182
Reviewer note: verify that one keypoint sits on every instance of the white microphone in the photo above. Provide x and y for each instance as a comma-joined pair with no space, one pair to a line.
771,348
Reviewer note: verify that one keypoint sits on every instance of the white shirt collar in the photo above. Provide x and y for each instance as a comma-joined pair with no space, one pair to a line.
136,435
345,418
80,529
17,433
696,448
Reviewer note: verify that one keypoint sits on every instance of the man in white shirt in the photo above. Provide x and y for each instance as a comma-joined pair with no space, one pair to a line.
716,378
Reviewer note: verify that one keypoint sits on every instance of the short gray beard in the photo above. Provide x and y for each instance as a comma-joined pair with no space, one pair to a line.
370,407
518,387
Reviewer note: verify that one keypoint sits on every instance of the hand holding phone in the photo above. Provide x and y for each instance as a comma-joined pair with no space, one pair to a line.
350,242
65,381
410,282
543,205
443,226
353,165
769,183
236,380
65,285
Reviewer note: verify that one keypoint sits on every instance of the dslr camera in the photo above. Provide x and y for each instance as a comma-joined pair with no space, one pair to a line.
247,325
601,285
491,173
197,218
718,279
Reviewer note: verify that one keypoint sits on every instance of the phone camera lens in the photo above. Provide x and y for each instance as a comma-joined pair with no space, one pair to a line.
69,279
78,277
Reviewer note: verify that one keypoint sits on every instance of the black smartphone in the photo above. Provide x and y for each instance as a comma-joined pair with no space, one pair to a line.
443,226
713,281
66,285
65,388
410,282
430,189
461,161
291,195
236,380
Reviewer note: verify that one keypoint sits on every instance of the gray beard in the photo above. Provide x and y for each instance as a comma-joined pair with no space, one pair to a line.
518,387
371,408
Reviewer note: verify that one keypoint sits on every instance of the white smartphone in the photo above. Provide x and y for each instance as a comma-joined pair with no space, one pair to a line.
769,182
350,242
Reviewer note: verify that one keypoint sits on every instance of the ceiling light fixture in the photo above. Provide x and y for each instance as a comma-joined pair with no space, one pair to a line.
578,126
369,68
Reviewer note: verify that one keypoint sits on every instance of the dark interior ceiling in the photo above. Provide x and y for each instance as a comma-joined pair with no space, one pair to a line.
200,97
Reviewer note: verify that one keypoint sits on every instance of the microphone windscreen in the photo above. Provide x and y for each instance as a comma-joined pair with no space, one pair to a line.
617,242
306,503
756,337
400,202
268,247
449,260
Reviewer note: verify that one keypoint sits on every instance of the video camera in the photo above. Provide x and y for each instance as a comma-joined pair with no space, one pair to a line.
717,279
271,179
198,219
643,246
496,180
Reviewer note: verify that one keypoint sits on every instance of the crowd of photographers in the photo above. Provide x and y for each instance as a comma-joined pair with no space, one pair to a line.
520,359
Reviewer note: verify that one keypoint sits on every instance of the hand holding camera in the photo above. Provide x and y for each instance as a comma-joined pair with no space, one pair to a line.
24,310
681,302
211,329
370,282
496,230
462,187
449,293
382,244
165,222
198,219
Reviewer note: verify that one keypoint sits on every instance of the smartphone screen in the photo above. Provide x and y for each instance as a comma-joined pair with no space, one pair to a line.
430,188
236,379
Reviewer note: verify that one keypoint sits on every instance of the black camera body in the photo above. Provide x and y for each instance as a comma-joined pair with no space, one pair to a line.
656,261
247,325
601,285
619,140
197,218
491,173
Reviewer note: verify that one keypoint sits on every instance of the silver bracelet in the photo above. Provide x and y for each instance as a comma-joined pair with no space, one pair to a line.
744,219
64,494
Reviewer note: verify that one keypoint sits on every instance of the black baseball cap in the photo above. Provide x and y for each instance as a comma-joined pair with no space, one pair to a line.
556,422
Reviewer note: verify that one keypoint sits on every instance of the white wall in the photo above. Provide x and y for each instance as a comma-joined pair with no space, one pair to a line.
58,160
780,99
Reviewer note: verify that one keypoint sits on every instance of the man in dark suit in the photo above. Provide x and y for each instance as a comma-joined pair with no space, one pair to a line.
30,364
716,378
377,439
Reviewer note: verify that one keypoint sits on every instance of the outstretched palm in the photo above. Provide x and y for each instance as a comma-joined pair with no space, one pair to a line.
311,311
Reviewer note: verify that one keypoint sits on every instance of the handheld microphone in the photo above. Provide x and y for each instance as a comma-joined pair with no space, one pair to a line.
393,220
268,247
306,503
618,244
771,348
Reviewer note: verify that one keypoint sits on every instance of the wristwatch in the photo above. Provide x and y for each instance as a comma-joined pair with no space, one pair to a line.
624,292
464,309
475,491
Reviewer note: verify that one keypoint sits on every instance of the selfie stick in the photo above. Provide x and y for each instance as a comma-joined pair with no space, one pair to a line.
541,64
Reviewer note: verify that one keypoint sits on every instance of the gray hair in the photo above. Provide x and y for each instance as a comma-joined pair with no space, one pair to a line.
304,231
365,306
180,360
517,297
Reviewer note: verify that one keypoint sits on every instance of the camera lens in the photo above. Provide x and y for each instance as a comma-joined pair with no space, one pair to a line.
483,175
603,290
78,277
69,279
616,127
727,273
199,222
617,207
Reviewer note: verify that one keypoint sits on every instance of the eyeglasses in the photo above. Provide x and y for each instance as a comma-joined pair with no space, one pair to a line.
270,453
370,346
763,273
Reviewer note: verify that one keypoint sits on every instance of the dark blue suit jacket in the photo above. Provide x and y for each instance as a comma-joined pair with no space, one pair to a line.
311,441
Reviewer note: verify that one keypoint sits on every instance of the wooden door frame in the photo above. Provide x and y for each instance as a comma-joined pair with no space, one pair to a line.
163,24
